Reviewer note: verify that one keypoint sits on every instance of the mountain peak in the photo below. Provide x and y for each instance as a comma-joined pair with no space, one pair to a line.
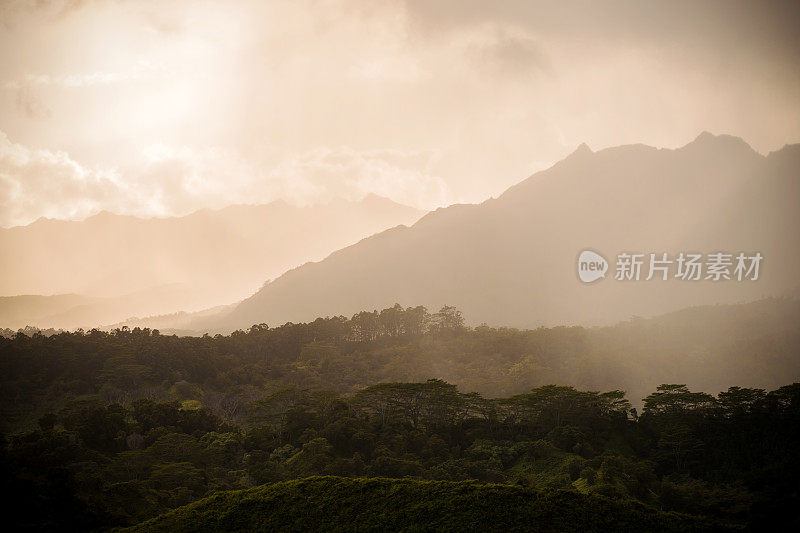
372,197
705,136
39,221
582,149
102,215
788,150
707,140
376,201
494,259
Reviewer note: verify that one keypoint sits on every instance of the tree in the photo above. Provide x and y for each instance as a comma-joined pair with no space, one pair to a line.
448,319
391,321
677,400
737,401
416,321
100,427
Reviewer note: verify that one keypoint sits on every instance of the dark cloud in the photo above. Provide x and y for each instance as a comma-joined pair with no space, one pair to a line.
10,9
512,56
720,26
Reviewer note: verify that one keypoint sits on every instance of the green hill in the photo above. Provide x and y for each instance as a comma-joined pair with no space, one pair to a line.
357,504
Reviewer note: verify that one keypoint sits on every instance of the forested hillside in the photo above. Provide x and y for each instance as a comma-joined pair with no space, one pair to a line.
708,348
730,458
105,429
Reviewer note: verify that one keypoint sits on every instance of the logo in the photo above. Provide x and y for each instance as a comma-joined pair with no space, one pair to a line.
685,266
591,266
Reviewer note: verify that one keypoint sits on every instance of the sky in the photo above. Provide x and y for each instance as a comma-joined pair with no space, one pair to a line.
160,108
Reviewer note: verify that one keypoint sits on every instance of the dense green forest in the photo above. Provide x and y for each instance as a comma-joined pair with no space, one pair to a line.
110,429
708,348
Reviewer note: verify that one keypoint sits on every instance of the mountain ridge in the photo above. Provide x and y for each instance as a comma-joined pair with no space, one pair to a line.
665,194
219,255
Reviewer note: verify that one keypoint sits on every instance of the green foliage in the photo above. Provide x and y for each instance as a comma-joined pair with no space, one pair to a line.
339,504
683,454
111,429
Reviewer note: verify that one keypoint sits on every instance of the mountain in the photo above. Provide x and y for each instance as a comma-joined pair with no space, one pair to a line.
358,504
512,260
18,311
72,311
131,266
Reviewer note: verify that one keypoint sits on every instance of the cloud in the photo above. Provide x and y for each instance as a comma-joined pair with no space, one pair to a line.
71,81
247,101
10,10
161,23
174,181
35,183
185,179
323,174
505,54
28,90
30,104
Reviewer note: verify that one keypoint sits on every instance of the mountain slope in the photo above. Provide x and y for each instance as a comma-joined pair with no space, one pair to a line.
346,504
18,311
216,256
512,260
72,311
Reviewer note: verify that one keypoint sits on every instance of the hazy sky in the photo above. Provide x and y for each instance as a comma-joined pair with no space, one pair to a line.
162,107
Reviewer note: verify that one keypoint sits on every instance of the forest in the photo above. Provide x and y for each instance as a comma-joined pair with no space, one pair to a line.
110,429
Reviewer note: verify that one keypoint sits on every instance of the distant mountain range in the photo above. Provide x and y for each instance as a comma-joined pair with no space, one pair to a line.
512,260
109,267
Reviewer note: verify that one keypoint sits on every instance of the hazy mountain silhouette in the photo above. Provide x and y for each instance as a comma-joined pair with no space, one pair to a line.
125,266
512,260
72,311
